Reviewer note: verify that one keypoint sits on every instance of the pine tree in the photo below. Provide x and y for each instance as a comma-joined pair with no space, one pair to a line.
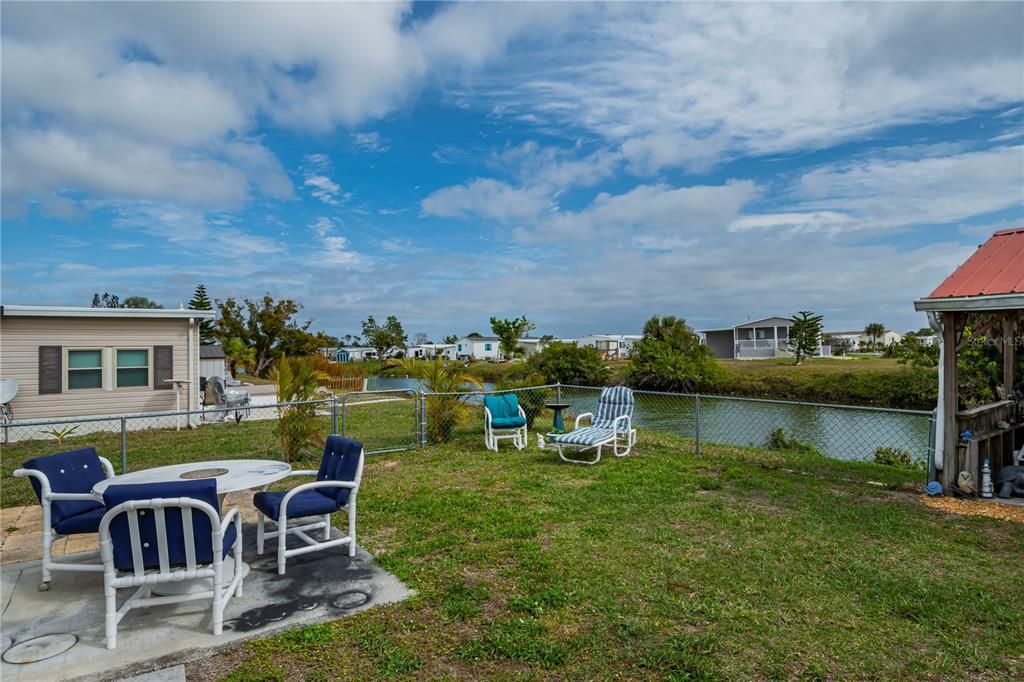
805,335
201,301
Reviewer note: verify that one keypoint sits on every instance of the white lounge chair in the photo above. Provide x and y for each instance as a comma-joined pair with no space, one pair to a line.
613,425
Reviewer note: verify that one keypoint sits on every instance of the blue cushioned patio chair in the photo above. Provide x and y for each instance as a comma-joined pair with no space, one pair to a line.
63,483
157,533
335,489
504,418
612,425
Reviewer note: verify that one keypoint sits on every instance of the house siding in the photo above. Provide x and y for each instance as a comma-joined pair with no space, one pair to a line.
21,337
721,343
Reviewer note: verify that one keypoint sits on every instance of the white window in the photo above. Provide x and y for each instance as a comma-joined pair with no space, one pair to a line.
132,369
85,368
108,368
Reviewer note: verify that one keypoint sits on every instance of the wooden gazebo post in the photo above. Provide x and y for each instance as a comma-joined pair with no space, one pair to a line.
950,396
990,282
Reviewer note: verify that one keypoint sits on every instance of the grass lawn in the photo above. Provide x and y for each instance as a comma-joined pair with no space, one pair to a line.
742,564
816,365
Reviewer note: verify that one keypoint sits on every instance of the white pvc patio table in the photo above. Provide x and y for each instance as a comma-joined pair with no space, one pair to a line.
232,475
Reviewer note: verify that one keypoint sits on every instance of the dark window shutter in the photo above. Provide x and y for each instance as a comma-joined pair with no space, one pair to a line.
50,366
163,367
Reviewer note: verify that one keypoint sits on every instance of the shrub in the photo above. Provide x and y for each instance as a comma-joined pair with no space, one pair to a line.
532,399
894,457
566,363
670,357
778,439
446,411
336,370
297,425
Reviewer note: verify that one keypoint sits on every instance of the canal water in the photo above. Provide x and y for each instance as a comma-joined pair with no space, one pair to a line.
841,432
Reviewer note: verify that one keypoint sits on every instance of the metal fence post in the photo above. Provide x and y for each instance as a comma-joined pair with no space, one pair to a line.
124,445
696,414
334,413
423,418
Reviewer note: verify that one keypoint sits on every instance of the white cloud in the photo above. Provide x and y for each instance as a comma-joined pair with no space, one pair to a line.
883,193
115,167
176,85
795,223
684,84
659,211
323,188
317,162
555,168
323,226
488,199
371,142
336,252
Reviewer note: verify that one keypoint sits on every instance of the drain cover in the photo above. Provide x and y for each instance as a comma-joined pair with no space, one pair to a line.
39,648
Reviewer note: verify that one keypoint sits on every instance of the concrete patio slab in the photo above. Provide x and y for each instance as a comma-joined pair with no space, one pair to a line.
318,587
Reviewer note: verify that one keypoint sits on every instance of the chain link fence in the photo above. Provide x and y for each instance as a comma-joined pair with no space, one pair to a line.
390,420
842,432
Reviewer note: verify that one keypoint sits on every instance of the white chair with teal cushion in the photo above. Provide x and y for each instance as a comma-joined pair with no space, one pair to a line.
504,419
612,425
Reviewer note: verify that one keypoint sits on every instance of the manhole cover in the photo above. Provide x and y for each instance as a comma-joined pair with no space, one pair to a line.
39,648
204,473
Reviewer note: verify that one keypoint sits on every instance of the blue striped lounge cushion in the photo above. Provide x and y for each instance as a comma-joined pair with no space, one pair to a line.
615,401
588,435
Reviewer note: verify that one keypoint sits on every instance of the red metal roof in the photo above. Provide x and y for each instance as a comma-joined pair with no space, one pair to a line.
997,267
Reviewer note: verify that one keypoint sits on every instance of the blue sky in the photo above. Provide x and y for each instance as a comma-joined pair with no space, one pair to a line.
584,165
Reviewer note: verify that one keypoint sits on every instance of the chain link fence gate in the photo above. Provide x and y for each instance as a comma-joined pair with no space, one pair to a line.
383,421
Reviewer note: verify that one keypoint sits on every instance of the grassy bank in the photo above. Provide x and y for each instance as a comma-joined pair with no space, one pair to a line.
863,381
743,564
869,381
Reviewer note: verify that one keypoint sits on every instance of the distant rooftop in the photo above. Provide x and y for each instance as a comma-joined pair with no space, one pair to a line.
72,311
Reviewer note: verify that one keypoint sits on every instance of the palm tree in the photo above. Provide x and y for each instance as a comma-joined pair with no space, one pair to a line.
298,426
874,330
446,404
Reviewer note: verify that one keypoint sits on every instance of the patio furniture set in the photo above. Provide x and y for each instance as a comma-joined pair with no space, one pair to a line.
162,532
612,425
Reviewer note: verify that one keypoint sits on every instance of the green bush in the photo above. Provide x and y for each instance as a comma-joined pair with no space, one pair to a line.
670,357
778,439
531,399
894,457
566,363
911,388
299,429
448,409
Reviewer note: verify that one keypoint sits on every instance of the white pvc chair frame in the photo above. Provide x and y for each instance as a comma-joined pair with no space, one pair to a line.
627,431
519,435
46,496
281,522
145,579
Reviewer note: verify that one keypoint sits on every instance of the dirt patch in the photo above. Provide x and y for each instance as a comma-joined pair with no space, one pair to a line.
992,510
